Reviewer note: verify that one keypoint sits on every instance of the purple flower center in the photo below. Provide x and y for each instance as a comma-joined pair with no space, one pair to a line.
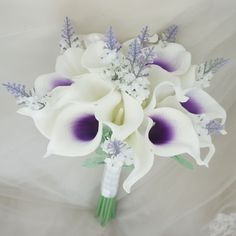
85,128
164,65
192,106
161,132
61,82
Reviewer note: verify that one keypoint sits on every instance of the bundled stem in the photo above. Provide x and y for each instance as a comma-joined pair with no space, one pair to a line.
106,209
107,203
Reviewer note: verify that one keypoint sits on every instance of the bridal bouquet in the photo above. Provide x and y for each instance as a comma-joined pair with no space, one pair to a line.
123,105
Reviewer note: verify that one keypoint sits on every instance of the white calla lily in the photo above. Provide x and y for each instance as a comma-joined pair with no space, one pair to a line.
44,119
91,38
69,63
143,160
188,80
89,88
200,102
92,57
56,86
162,91
123,116
172,133
169,132
173,58
201,108
44,84
76,131
206,142
162,85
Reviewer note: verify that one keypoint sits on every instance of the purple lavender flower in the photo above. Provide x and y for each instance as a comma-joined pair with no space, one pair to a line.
69,37
111,40
214,126
17,90
170,33
214,65
139,54
24,97
144,60
135,49
144,35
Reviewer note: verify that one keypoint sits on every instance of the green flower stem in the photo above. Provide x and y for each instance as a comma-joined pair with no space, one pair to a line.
106,209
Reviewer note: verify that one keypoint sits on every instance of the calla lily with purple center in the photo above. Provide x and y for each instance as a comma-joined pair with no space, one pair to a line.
168,132
202,109
51,86
76,131
44,84
172,58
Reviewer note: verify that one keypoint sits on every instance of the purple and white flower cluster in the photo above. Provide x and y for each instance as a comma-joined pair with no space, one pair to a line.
145,90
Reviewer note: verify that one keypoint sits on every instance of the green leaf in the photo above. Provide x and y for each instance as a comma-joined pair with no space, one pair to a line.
106,133
94,161
100,151
129,167
183,162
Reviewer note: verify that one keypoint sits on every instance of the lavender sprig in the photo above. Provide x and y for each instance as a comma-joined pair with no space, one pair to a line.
24,97
144,35
144,60
17,90
214,65
129,72
68,35
214,126
67,31
135,49
169,34
111,40
206,70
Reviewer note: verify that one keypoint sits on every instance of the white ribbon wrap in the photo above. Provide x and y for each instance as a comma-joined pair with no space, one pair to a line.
111,177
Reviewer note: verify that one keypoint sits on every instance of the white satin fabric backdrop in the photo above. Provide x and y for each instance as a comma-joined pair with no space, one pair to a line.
57,196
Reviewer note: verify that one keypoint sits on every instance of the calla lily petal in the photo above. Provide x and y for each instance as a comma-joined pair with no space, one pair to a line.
188,79
204,138
161,91
206,142
172,133
69,63
106,110
158,75
122,117
76,132
92,58
173,58
44,119
48,82
162,85
89,88
91,38
200,102
143,160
